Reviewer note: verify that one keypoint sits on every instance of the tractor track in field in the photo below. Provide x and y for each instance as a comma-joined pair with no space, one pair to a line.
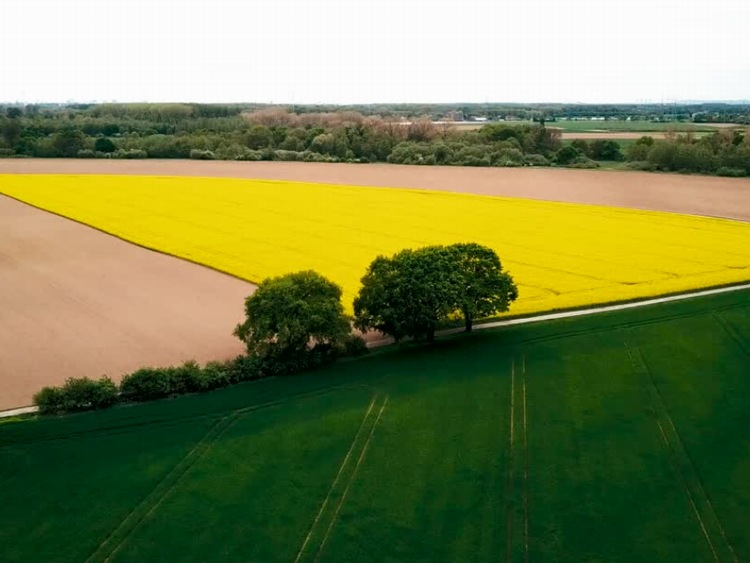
509,504
732,332
525,465
517,503
180,420
367,427
683,464
109,547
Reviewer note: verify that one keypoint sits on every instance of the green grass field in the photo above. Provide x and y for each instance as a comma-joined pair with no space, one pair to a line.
628,126
617,437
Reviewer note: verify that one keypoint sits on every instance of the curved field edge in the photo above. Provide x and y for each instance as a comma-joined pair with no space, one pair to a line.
514,440
564,256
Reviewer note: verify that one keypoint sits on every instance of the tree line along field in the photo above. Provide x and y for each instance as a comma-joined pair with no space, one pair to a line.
561,255
276,133
617,437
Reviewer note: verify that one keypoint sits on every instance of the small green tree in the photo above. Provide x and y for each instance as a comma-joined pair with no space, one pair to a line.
288,314
484,289
566,155
68,142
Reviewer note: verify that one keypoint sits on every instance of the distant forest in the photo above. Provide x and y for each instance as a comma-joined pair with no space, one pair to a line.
423,134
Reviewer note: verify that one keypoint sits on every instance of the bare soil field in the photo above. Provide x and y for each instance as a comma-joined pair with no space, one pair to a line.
76,302
694,195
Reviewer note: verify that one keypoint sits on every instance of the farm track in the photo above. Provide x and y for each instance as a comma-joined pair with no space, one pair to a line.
683,465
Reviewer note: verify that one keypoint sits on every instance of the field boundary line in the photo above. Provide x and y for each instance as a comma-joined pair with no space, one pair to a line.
335,481
681,459
154,498
732,332
509,504
543,318
351,480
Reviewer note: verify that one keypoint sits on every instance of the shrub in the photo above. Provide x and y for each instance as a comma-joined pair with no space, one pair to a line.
130,154
7,152
214,375
249,155
353,346
49,400
536,160
244,368
508,157
731,172
102,144
184,379
567,155
287,156
198,154
86,394
146,384
642,165
582,161
86,153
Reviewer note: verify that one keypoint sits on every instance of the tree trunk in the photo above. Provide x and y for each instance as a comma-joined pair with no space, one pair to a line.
468,321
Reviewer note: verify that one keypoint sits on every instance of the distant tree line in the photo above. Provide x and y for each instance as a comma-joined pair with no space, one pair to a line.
724,153
231,132
296,322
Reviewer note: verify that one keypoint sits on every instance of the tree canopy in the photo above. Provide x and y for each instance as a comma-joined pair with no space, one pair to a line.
410,293
288,314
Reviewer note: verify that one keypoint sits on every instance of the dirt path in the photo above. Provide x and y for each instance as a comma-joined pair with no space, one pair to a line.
695,195
75,302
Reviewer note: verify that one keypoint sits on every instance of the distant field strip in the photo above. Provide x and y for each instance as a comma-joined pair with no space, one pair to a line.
325,520
698,498
561,255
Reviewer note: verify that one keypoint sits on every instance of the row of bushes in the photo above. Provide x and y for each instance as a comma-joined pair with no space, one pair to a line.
725,153
148,384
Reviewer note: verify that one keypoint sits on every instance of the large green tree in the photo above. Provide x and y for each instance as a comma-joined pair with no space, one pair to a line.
289,314
411,292
484,288
407,294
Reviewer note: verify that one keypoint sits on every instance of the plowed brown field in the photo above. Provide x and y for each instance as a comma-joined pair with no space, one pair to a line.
75,302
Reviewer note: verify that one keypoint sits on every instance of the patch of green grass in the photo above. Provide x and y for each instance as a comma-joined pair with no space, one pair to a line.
615,437
628,126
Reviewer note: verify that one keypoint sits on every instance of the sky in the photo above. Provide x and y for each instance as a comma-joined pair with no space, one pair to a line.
360,51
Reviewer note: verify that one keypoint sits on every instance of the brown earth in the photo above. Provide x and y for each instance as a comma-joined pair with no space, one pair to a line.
695,195
76,302
73,300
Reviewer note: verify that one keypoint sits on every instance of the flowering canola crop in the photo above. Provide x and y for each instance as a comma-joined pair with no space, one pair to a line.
561,255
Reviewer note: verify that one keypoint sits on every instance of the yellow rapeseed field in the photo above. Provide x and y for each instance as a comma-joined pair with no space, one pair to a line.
561,255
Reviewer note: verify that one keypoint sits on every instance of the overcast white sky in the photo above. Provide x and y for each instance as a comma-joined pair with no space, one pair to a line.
347,51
